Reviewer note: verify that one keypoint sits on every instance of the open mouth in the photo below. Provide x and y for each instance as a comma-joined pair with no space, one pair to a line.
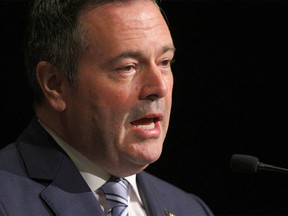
145,123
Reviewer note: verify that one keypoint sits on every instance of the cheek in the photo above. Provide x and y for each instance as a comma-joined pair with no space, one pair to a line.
112,109
170,93
119,98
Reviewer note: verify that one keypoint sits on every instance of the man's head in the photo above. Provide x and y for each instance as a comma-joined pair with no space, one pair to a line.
55,35
115,109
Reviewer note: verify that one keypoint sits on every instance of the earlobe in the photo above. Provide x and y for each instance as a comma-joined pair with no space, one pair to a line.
51,81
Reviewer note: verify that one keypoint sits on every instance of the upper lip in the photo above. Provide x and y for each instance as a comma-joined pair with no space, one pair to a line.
154,116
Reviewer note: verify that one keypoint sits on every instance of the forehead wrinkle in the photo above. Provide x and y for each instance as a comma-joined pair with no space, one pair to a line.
139,29
144,21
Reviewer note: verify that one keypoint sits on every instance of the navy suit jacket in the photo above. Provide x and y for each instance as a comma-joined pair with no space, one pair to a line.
37,178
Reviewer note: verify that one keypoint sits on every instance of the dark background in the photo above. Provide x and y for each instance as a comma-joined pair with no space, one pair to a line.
230,97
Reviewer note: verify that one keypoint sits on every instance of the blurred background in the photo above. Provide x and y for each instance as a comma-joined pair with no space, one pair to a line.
230,96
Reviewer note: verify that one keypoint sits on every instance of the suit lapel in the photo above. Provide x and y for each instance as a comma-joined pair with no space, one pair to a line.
69,194
63,203
66,193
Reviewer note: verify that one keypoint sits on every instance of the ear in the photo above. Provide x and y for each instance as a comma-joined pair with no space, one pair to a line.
51,81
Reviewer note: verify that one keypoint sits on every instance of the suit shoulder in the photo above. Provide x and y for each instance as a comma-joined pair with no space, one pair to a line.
10,160
8,153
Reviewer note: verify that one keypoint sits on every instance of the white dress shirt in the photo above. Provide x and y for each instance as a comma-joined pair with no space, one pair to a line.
96,177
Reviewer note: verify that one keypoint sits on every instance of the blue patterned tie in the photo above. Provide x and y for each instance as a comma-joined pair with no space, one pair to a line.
116,193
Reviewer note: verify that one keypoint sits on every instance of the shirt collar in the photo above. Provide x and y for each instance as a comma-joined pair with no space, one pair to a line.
94,176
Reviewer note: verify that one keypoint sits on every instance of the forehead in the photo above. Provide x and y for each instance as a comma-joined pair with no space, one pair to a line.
117,27
131,14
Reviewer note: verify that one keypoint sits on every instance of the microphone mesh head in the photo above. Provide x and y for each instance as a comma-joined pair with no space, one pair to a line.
244,163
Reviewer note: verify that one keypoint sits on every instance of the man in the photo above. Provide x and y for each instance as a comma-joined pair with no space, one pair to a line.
103,85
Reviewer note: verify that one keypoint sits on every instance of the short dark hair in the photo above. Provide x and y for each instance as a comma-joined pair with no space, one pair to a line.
55,35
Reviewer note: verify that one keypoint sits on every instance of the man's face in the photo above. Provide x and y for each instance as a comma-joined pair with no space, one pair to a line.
118,111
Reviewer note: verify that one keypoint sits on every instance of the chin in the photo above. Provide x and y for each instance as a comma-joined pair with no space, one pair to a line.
143,154
146,158
135,163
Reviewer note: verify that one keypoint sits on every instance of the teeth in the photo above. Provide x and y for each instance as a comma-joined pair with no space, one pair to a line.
146,127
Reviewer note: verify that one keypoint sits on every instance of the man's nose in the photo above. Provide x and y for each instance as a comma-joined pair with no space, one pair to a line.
155,84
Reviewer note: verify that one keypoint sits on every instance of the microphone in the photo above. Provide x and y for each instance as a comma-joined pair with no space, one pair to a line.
251,164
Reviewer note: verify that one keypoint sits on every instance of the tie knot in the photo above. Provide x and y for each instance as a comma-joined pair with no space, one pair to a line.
116,193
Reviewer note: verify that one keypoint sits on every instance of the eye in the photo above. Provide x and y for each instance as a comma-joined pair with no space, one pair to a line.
167,62
127,68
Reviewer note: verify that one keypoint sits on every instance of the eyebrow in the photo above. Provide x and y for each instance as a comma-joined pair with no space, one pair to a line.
138,55
168,49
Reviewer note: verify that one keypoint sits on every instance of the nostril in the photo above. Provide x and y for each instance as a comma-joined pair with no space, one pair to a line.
152,97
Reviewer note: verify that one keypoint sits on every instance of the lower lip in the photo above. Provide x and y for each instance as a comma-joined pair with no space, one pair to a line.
148,133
